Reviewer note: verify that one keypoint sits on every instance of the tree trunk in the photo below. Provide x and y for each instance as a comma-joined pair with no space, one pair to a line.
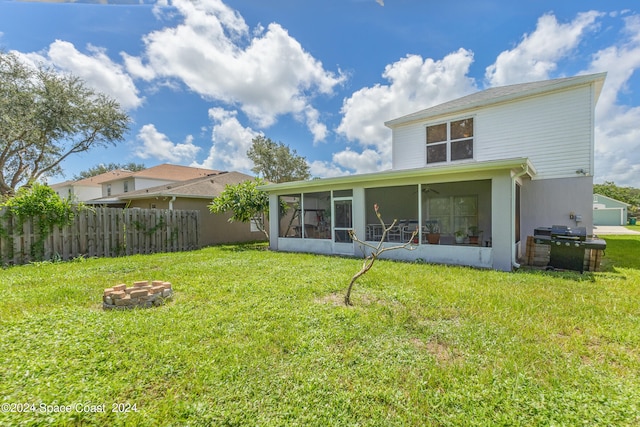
365,267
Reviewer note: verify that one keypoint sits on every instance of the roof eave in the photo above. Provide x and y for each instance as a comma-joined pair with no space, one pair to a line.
520,163
157,195
595,79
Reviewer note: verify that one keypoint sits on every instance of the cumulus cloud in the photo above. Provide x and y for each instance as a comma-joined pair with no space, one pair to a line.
414,84
265,74
344,162
230,142
620,61
364,162
323,169
157,145
95,68
537,55
617,133
617,155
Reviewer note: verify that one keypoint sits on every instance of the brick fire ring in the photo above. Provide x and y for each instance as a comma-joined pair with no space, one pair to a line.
143,294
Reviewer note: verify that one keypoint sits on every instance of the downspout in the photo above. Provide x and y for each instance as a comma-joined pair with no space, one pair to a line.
525,170
173,199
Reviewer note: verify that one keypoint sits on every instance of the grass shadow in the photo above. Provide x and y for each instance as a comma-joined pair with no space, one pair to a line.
258,245
575,276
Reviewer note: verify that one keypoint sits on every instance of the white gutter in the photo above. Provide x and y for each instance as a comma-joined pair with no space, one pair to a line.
371,178
525,170
173,199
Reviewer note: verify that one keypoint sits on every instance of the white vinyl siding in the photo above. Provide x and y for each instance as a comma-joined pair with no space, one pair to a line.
555,131
409,147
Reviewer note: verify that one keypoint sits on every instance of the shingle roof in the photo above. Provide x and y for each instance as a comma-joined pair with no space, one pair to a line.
203,187
501,94
174,172
96,181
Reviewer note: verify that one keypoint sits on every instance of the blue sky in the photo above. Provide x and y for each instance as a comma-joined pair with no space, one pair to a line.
201,78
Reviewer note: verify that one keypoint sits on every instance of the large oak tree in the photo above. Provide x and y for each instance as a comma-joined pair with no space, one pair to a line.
47,116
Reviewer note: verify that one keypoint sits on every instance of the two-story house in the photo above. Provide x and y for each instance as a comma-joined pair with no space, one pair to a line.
478,173
151,177
86,189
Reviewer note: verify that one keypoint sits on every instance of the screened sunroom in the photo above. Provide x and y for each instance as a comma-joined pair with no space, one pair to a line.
465,215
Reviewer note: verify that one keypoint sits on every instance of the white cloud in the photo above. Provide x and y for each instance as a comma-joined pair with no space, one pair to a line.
347,162
231,141
617,154
158,146
414,84
136,68
365,162
96,69
537,55
617,132
266,74
617,136
620,61
322,169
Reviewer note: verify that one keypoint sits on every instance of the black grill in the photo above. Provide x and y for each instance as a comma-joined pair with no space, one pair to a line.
568,245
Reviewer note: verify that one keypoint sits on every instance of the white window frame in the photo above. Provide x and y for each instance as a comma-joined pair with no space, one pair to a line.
454,220
448,141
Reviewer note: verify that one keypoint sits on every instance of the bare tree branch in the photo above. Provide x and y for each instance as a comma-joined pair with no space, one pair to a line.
376,250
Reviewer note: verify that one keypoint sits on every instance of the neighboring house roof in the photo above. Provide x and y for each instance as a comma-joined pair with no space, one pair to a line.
171,173
501,94
203,187
611,199
520,163
96,181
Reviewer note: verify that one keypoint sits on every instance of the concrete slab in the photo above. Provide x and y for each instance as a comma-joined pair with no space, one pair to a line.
602,230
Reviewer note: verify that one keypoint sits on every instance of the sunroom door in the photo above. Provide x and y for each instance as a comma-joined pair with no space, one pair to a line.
342,224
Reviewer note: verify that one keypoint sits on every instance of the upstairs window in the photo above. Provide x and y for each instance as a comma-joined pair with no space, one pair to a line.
451,141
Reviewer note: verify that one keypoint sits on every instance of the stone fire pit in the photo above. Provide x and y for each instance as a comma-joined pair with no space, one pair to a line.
143,294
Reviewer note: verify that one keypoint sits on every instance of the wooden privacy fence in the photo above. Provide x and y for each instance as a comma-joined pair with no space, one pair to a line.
101,232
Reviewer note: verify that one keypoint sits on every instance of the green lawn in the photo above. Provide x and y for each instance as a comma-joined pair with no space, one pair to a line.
633,227
254,337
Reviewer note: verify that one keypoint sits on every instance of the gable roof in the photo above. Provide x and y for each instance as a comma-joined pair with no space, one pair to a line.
201,188
496,95
171,173
97,180
611,199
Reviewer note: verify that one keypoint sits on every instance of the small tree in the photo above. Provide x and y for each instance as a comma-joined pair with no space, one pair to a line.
376,250
246,201
277,162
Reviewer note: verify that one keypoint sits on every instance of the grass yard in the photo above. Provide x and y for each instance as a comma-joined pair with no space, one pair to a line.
254,337
633,227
